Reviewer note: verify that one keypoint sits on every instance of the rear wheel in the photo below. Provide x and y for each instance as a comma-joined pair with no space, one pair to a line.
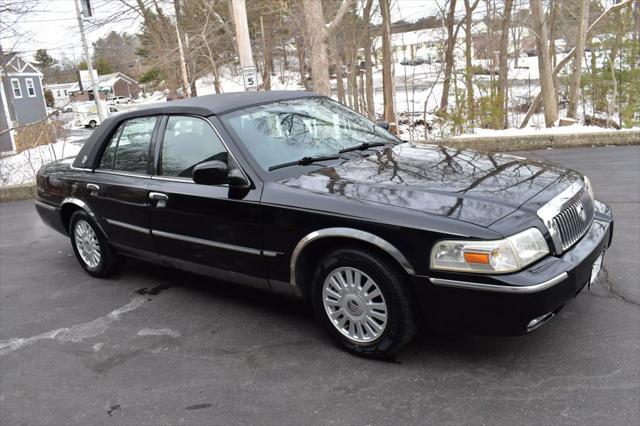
90,246
364,302
92,124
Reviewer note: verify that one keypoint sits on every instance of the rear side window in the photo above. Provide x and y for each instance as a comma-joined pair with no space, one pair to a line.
128,149
187,142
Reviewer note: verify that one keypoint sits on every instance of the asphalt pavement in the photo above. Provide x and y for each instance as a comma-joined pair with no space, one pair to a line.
156,346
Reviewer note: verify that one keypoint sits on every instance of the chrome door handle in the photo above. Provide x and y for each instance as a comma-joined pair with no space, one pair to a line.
158,196
93,188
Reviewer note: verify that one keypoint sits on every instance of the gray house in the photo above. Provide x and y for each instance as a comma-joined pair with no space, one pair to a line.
21,98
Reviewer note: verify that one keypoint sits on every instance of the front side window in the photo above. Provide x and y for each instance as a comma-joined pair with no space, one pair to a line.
187,142
128,149
289,130
31,90
17,91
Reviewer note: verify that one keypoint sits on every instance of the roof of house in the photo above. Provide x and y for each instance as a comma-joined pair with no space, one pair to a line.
15,64
105,81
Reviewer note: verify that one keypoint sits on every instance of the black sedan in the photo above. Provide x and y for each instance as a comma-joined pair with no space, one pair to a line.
294,193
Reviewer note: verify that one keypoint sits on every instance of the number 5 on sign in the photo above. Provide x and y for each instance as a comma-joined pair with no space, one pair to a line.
250,77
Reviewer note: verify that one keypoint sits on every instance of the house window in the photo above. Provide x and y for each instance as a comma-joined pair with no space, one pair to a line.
17,91
58,92
31,90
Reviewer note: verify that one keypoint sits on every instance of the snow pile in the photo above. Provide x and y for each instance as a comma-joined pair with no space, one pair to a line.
21,168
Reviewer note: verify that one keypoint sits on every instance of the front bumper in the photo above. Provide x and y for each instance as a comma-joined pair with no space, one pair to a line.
506,304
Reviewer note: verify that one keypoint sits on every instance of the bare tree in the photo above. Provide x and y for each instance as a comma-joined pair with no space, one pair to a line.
387,67
549,103
319,31
368,68
503,67
448,55
576,72
539,97
468,73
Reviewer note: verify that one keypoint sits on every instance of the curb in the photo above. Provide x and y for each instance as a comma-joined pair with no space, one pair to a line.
534,142
17,192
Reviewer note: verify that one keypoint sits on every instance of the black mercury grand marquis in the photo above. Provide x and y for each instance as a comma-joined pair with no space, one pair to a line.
295,193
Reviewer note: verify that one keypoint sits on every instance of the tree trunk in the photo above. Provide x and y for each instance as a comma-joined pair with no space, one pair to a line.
549,103
504,66
314,19
448,56
576,73
368,69
387,67
267,44
337,64
468,73
318,32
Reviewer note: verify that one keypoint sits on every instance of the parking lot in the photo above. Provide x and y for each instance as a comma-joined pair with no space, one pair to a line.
155,346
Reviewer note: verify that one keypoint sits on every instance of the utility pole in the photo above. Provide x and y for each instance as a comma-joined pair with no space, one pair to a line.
244,45
85,49
183,64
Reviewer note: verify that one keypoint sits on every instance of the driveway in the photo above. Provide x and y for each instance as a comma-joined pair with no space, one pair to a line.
154,346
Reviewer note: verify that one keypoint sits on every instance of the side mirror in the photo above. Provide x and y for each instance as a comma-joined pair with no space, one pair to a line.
217,173
210,173
383,124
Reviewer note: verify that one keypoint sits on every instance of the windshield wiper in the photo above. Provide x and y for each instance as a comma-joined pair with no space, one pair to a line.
304,161
363,146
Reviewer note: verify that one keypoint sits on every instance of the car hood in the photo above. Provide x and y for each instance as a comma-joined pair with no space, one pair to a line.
472,186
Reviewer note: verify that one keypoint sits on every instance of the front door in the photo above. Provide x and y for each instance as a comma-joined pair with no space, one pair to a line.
204,228
118,190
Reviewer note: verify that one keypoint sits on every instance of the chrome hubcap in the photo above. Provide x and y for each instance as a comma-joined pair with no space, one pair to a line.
355,305
87,243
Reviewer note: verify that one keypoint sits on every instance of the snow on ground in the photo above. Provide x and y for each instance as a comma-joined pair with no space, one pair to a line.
21,168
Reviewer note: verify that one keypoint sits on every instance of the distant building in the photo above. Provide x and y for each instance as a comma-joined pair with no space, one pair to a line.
60,93
109,85
22,98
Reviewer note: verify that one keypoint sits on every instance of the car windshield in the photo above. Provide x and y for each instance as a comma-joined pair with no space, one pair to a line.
290,130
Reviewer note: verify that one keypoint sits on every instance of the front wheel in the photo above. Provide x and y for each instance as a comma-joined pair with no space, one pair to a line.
364,302
90,246
93,124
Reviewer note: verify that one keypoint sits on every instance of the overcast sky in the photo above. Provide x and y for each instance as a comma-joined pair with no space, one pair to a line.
53,25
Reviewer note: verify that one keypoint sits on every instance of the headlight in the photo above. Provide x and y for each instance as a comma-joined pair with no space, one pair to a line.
487,257
587,183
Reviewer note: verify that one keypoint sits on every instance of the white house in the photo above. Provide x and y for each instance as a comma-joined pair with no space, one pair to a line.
61,94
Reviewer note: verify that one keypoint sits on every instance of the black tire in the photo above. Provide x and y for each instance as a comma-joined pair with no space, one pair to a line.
93,124
108,262
402,320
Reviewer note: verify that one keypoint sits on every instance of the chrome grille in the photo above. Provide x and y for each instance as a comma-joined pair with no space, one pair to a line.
574,220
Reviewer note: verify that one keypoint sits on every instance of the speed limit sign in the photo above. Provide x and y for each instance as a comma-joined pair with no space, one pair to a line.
250,77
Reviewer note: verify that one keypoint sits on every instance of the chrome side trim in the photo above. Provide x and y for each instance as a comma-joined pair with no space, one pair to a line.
128,226
554,207
44,205
208,243
498,288
351,233
115,172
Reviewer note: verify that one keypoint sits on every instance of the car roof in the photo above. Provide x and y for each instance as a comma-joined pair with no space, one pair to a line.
205,106
218,104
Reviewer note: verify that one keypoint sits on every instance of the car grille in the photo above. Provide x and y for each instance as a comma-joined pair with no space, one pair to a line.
574,221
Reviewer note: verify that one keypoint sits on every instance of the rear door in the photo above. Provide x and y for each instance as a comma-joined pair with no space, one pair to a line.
212,229
119,190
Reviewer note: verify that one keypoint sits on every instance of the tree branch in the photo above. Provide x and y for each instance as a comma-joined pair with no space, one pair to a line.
341,11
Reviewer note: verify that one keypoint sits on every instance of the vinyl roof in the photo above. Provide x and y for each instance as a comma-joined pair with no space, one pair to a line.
219,104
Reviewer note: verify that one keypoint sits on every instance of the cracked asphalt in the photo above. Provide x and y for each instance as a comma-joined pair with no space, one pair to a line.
155,346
